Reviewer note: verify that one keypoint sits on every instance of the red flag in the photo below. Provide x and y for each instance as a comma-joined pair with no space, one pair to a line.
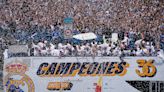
99,85
98,88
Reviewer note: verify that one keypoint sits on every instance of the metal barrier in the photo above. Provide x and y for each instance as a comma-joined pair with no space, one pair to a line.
1,80
18,49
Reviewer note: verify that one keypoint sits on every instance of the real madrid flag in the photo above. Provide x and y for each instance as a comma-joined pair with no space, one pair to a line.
68,34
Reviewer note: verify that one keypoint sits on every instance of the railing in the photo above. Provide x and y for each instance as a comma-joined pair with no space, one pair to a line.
1,80
76,55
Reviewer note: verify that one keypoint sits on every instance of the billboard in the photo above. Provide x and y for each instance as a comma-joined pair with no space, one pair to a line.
83,74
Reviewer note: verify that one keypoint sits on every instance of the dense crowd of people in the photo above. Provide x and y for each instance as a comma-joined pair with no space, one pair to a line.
36,21
93,15
141,48
39,24
43,42
128,44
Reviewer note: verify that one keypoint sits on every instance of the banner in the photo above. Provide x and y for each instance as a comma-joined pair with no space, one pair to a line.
68,20
83,74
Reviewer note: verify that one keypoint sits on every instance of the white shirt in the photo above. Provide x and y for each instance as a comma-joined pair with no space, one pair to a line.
5,54
55,52
40,44
60,46
160,54
138,52
108,50
52,46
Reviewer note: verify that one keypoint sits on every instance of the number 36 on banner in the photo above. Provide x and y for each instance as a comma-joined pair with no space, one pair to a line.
148,68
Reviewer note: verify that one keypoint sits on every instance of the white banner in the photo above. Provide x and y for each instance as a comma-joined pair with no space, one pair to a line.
83,74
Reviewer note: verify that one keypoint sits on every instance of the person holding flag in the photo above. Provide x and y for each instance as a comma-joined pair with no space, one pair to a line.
100,81
99,85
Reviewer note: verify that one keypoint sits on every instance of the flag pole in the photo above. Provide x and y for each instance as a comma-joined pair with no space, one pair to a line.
102,77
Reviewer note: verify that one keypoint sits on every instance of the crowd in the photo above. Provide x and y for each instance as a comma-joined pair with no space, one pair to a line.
94,15
141,48
39,21
127,44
